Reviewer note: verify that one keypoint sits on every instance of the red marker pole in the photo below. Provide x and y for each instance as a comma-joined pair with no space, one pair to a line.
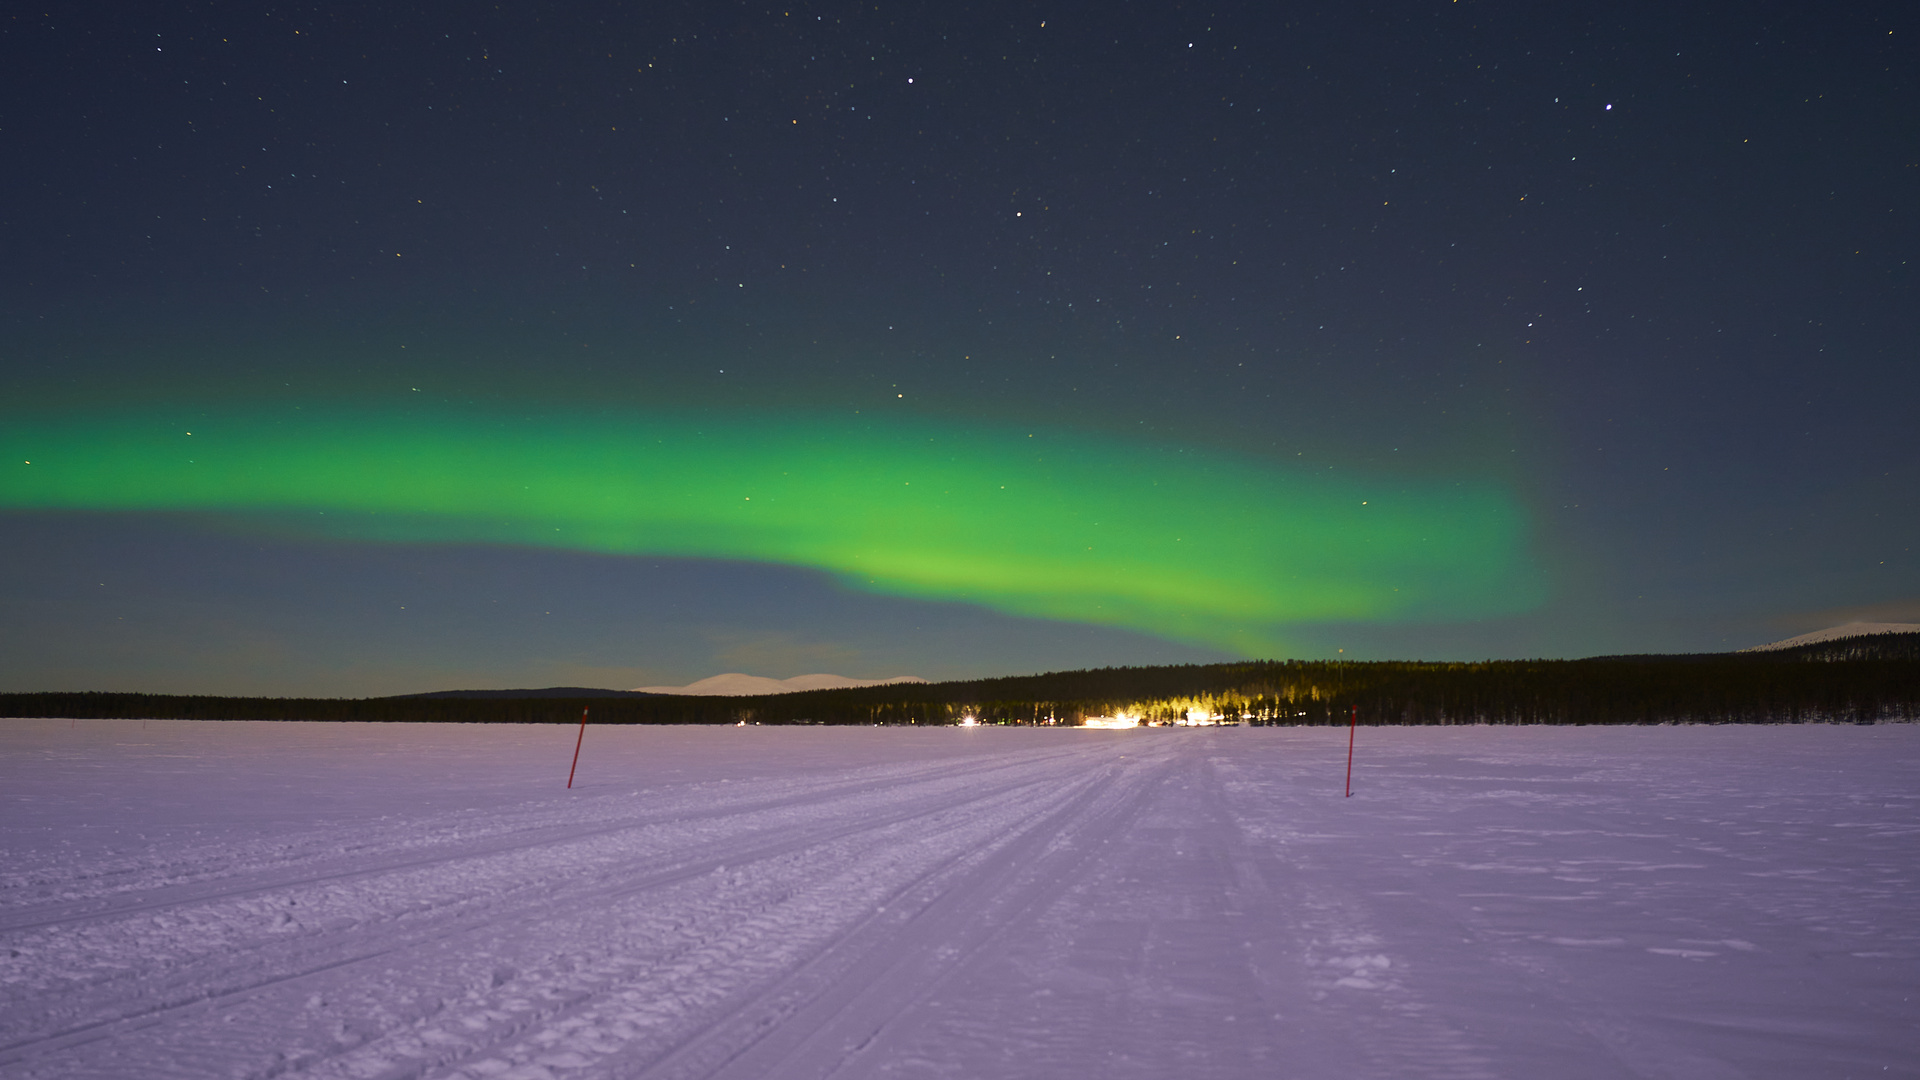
1351,722
583,738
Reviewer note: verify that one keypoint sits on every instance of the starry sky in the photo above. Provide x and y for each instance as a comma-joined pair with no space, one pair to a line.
347,350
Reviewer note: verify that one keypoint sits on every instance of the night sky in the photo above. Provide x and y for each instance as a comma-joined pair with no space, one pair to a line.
347,350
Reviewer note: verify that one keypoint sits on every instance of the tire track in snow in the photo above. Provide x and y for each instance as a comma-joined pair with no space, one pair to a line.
470,877
224,981
1143,960
653,1001
843,1003
74,909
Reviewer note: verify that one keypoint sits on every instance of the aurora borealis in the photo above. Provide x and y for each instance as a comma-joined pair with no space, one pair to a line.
623,345
1199,548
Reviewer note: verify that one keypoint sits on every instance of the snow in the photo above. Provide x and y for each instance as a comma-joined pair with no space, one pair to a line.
1835,633
346,900
734,684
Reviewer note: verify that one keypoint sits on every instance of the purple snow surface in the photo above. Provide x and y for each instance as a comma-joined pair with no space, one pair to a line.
202,900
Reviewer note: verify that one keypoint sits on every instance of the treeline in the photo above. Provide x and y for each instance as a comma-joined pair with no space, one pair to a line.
1857,680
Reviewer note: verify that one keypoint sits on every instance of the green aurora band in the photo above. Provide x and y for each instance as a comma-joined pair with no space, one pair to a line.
1189,545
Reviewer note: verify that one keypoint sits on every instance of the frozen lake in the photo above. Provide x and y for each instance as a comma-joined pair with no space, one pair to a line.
373,901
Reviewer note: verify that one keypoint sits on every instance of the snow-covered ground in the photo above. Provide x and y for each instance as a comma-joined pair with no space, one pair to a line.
253,900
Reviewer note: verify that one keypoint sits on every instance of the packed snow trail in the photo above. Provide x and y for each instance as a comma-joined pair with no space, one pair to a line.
374,901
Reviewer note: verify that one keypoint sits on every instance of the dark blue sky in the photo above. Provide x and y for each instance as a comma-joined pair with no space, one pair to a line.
1647,267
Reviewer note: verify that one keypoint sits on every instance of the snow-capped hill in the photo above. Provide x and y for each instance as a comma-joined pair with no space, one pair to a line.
734,684
1835,633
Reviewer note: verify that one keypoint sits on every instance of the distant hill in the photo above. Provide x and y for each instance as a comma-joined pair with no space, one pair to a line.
734,684
1839,633
1880,645
548,692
